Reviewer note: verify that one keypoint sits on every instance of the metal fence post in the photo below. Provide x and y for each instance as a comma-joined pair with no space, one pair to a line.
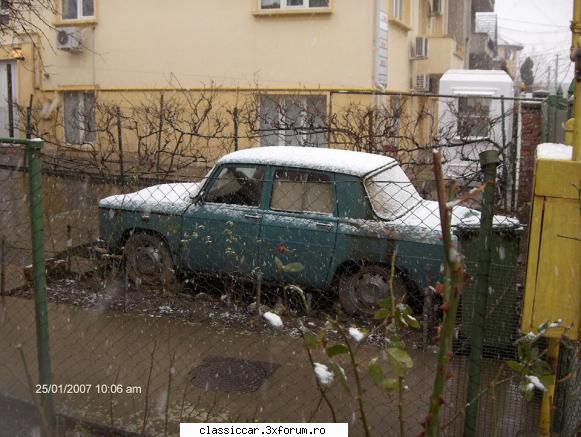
120,141
236,135
10,99
33,148
488,161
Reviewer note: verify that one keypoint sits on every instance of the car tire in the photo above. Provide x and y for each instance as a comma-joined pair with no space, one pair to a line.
149,262
360,291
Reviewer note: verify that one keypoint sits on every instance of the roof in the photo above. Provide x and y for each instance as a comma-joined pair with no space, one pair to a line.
476,82
334,160
498,76
503,42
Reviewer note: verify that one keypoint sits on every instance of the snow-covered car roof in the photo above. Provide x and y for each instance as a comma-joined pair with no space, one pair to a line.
333,160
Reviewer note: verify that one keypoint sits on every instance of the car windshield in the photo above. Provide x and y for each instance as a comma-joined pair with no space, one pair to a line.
391,193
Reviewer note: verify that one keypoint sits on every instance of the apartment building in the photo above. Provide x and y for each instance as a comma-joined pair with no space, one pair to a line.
93,50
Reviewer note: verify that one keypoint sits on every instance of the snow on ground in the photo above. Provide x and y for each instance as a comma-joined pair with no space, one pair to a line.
356,334
324,375
273,319
559,152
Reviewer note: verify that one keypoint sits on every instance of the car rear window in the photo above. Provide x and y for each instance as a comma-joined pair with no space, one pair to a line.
391,193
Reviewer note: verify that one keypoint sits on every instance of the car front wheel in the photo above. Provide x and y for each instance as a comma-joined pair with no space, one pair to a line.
149,262
360,292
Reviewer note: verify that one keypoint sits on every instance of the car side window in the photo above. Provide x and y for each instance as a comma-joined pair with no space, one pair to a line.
237,185
300,191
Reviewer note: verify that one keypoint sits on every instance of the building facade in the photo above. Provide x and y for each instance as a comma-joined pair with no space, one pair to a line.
89,51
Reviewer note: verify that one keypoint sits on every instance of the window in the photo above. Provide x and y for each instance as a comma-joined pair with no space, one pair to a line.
391,193
5,6
293,121
78,9
300,191
397,9
237,186
292,4
79,112
473,117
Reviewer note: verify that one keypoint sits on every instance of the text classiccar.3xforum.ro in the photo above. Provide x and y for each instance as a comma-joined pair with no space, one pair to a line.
269,429
254,430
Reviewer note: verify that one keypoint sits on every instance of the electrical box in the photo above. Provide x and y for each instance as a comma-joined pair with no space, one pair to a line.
553,279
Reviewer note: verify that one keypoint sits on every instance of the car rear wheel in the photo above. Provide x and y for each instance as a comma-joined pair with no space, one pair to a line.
360,292
149,262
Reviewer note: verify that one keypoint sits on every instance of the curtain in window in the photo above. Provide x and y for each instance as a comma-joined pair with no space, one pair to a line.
270,4
71,114
88,8
70,11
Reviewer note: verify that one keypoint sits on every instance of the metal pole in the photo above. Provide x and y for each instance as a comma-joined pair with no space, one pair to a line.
549,394
10,100
557,73
235,119
514,153
29,118
488,161
504,157
370,133
159,136
120,141
576,57
33,149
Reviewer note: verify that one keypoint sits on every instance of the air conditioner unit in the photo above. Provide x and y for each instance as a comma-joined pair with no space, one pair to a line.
422,82
437,7
421,48
69,38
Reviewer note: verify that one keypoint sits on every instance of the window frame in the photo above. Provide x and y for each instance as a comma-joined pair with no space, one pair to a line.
370,197
87,120
397,10
80,11
203,196
284,6
308,172
467,115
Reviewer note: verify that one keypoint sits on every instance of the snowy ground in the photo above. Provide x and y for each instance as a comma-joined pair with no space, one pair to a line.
148,339
211,307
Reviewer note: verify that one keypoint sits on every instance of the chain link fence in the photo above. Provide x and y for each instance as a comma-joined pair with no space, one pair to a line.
251,293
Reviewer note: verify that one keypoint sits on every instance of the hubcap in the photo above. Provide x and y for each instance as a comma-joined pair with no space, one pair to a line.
370,288
148,261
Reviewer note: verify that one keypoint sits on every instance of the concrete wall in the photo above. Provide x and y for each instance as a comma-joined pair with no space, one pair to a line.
442,57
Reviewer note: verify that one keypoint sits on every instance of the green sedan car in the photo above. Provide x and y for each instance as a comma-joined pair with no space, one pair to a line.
341,215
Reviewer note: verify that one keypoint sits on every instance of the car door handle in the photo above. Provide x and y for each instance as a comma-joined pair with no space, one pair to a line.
252,217
328,226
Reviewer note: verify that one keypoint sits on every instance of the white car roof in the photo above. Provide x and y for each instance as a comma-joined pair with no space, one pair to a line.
316,158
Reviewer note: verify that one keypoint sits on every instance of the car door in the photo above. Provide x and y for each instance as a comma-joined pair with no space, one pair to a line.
299,225
221,230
